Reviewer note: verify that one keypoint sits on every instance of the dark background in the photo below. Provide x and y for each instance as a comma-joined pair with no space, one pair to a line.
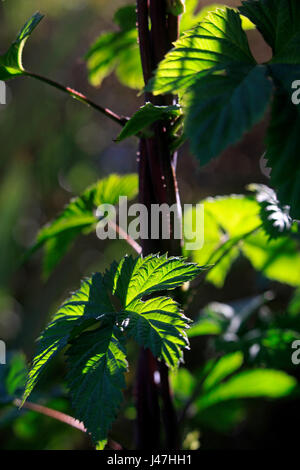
52,147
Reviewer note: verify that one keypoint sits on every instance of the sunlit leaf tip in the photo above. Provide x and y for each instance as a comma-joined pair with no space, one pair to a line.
11,62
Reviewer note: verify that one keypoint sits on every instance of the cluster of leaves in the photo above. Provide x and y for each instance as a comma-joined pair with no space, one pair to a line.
225,92
231,326
79,217
96,320
217,392
118,51
245,361
93,324
235,225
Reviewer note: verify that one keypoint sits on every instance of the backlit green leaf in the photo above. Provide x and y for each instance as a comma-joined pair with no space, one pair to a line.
117,51
233,226
226,221
84,308
277,259
157,323
192,15
215,44
79,216
145,116
223,368
97,365
94,324
11,62
250,384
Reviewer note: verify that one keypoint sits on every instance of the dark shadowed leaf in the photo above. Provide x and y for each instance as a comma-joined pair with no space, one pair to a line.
275,217
279,23
221,108
283,139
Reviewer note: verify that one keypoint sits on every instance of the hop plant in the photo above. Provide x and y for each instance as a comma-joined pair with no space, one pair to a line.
275,216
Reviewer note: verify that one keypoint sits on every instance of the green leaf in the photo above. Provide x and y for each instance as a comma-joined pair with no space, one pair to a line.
117,51
263,14
213,319
277,259
232,226
254,383
182,383
158,273
283,141
129,68
275,346
294,305
279,23
227,221
221,108
145,116
214,70
11,62
125,17
94,322
79,216
158,323
97,364
225,366
275,217
215,44
84,308
12,377
192,15
204,326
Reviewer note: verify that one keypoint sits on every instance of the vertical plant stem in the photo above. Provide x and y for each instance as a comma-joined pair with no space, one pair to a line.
157,185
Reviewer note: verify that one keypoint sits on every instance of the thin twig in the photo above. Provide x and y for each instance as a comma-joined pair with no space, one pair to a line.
59,416
124,235
80,97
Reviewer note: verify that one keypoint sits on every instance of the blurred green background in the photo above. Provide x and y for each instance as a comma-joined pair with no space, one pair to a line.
52,147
